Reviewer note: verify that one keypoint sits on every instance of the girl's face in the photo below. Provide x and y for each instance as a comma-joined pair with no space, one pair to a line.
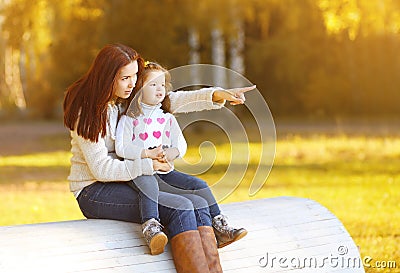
154,88
125,80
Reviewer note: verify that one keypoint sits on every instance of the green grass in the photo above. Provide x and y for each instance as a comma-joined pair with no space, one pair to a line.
355,177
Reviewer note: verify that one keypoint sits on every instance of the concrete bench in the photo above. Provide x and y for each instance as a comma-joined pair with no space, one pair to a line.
286,234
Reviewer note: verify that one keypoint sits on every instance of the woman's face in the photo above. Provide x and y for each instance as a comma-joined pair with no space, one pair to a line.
125,80
154,88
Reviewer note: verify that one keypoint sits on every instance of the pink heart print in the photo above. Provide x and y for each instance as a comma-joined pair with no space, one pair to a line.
167,133
143,136
135,122
161,120
157,134
147,120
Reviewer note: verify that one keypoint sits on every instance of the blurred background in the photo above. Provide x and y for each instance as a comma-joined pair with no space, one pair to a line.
328,69
309,58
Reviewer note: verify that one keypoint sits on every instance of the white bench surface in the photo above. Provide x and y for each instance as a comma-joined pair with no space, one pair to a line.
286,234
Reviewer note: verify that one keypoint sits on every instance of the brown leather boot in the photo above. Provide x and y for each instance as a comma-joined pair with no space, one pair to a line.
210,248
188,253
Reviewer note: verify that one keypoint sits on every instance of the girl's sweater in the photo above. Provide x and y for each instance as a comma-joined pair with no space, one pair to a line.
97,161
149,130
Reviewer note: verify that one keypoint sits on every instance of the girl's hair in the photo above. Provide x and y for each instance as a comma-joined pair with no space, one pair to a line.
135,109
86,100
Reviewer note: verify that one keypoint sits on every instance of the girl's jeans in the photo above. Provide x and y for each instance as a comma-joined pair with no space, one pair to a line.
148,187
119,201
184,183
148,191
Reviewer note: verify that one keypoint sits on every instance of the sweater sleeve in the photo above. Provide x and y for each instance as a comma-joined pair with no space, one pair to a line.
192,101
177,139
125,147
104,167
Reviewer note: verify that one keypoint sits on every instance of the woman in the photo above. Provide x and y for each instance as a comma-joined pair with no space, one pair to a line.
98,178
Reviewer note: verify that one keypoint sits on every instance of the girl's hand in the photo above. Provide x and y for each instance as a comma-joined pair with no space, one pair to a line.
235,95
161,166
169,155
156,153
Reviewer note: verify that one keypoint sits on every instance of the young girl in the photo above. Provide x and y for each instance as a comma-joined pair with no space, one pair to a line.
149,130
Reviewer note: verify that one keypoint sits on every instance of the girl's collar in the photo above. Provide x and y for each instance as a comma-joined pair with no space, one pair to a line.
147,106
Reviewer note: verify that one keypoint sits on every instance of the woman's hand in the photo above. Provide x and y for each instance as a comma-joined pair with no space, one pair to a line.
170,154
161,166
235,95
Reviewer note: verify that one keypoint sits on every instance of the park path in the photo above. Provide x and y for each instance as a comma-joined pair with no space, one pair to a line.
28,137
41,136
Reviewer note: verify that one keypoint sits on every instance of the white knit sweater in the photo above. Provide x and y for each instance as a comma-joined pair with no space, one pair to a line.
150,129
97,161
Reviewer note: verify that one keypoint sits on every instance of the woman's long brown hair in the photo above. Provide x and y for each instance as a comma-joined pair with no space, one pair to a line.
86,100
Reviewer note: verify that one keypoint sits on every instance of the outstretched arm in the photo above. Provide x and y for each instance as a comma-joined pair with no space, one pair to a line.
235,95
206,98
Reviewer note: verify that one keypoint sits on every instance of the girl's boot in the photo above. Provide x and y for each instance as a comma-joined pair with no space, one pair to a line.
155,238
224,233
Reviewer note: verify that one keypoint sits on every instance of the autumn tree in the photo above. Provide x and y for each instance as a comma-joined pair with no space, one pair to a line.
309,58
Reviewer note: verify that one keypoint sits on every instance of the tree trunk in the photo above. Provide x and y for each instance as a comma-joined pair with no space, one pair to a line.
218,56
194,54
236,52
13,78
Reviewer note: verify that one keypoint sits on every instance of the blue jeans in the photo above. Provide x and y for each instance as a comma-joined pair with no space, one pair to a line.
184,183
119,201
148,187
148,191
